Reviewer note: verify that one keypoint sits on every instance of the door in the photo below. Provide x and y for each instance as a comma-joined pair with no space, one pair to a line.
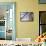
7,14
42,22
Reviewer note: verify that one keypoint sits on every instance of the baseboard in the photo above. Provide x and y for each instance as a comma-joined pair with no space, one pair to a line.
24,39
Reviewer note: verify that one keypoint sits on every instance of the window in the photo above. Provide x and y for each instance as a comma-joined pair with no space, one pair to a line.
42,22
42,1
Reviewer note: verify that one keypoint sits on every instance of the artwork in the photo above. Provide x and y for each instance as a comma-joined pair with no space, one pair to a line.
42,1
26,16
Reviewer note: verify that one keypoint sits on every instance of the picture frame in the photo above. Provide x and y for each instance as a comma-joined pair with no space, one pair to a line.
26,16
42,1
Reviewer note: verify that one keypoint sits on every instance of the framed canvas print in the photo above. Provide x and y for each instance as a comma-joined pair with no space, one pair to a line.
26,16
42,1
7,20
